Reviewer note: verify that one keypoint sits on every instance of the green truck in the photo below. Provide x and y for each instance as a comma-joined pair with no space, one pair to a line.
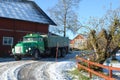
37,45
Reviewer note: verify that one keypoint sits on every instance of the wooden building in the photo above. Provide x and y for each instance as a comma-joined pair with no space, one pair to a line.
17,18
79,42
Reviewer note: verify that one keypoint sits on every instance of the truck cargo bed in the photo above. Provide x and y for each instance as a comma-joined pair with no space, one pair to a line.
54,41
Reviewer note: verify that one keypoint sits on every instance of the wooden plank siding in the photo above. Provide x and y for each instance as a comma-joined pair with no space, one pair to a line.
17,29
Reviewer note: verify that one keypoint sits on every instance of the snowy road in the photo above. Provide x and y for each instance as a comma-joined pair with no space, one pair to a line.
43,69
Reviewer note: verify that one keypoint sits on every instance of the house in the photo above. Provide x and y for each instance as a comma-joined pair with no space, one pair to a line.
17,18
79,42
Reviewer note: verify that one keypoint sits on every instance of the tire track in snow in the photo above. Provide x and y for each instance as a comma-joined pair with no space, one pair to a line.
26,73
10,71
5,65
41,71
44,69
35,71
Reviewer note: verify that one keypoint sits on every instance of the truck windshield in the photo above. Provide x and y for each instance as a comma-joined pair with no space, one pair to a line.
30,39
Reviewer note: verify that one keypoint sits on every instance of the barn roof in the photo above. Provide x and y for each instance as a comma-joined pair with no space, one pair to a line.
24,10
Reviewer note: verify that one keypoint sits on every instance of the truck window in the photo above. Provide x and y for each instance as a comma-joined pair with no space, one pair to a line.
30,39
40,39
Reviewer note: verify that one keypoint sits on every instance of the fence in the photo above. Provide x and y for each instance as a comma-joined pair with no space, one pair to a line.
89,63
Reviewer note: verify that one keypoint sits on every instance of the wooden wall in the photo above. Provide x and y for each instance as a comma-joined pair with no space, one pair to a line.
17,29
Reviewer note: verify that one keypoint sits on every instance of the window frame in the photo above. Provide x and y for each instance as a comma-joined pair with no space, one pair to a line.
8,39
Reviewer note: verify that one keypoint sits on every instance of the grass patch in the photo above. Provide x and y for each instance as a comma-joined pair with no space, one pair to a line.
76,75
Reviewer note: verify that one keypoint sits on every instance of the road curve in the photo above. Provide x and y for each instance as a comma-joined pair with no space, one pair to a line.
9,70
43,69
34,71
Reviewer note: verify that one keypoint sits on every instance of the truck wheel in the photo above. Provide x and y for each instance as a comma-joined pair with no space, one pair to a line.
63,53
17,58
36,55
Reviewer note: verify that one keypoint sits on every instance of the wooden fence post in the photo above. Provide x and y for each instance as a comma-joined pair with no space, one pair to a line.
77,63
110,71
90,75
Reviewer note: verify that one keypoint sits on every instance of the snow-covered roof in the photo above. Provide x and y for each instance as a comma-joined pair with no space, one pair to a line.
24,10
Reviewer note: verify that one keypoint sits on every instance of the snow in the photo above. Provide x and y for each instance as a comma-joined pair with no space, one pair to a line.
58,71
44,69
11,69
116,74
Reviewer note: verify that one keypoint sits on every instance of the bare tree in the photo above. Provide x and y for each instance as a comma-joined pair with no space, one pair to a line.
105,40
65,15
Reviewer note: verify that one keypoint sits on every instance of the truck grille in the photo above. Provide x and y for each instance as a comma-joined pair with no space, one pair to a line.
18,49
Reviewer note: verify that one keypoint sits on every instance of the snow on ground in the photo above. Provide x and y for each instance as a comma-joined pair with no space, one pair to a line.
116,74
10,70
43,69
58,70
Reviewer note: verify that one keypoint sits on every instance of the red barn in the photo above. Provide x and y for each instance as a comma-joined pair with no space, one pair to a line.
17,18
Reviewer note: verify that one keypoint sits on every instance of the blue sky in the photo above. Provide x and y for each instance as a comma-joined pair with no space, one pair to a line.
96,8
87,8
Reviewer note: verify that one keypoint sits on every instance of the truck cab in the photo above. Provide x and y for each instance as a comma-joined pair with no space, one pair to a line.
32,44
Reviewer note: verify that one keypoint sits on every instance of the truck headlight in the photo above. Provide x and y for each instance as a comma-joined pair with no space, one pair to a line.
29,49
26,50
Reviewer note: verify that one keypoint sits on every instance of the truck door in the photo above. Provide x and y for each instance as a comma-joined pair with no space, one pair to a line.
41,44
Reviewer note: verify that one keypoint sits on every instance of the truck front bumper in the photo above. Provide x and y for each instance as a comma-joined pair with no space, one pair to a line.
21,54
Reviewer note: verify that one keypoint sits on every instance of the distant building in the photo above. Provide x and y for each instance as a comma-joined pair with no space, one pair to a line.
79,42
17,18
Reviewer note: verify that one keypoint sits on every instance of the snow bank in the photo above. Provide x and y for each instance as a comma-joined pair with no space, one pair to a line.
58,70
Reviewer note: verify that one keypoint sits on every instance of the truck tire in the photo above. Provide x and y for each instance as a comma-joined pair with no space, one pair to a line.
63,54
17,58
36,54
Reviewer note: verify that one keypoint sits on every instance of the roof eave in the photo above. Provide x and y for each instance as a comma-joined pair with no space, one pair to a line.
23,20
40,10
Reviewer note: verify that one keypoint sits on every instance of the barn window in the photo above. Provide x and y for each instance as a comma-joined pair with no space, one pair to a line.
7,40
